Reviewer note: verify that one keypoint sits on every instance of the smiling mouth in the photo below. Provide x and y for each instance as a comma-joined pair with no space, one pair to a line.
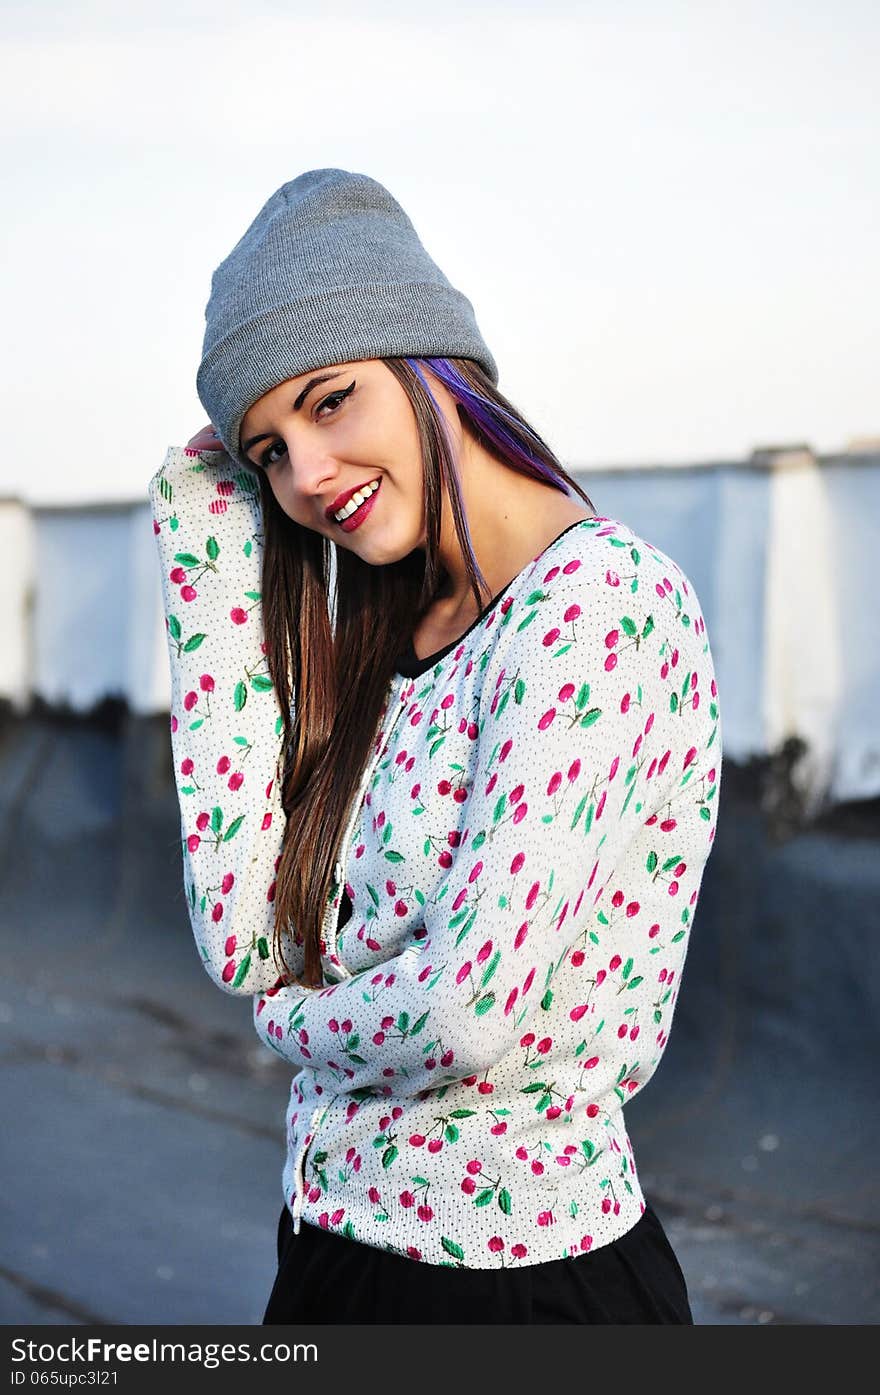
355,501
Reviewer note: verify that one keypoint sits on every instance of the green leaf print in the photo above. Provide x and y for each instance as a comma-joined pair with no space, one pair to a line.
252,595
465,931
451,1248
634,982
261,682
166,489
233,828
629,626
504,1201
491,967
591,717
484,1004
193,643
186,559
216,818
419,1024
651,863
451,1133
519,690
174,627
242,971
246,482
239,697
213,549
263,947
483,1198
389,1155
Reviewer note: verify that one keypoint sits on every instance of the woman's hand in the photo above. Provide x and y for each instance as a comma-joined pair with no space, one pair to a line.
206,439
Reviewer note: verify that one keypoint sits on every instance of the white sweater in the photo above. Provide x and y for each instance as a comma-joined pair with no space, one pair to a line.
523,861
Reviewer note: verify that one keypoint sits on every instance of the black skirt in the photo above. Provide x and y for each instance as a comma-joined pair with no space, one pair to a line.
327,1278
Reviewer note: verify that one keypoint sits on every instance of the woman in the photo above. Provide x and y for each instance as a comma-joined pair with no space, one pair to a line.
445,812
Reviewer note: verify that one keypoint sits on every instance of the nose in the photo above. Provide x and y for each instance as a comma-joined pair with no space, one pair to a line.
311,470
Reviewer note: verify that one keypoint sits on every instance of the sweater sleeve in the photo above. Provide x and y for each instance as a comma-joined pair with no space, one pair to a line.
226,726
580,743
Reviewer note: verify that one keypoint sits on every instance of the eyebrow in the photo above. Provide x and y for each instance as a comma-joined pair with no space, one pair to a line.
312,383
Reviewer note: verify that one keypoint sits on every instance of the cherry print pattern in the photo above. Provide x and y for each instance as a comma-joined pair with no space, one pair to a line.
523,862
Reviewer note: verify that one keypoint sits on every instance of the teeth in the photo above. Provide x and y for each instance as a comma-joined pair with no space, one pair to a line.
356,500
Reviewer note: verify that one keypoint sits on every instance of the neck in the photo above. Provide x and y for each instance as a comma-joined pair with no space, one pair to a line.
511,518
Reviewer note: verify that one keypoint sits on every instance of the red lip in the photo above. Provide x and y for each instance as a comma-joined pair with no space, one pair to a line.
342,499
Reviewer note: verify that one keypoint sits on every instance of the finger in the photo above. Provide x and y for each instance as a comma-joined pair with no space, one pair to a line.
206,439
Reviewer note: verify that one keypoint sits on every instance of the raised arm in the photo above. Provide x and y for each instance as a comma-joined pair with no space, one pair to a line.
226,727
583,740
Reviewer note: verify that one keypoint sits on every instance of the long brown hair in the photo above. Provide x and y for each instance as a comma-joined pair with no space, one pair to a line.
337,682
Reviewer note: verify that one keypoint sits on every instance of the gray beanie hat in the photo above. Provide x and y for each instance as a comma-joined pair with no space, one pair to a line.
331,270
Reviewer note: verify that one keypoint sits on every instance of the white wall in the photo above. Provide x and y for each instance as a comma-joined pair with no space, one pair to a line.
17,575
778,548
82,616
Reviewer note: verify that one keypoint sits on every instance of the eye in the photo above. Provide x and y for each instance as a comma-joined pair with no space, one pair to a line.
333,401
267,459
336,398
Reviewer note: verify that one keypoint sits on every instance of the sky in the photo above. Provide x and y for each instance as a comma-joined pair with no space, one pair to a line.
665,214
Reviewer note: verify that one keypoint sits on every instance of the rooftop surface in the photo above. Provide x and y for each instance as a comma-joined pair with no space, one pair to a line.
145,1122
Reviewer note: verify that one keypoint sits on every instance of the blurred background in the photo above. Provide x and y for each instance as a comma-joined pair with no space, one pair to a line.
666,216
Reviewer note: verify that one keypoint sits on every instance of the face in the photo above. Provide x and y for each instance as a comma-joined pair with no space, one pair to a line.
338,431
